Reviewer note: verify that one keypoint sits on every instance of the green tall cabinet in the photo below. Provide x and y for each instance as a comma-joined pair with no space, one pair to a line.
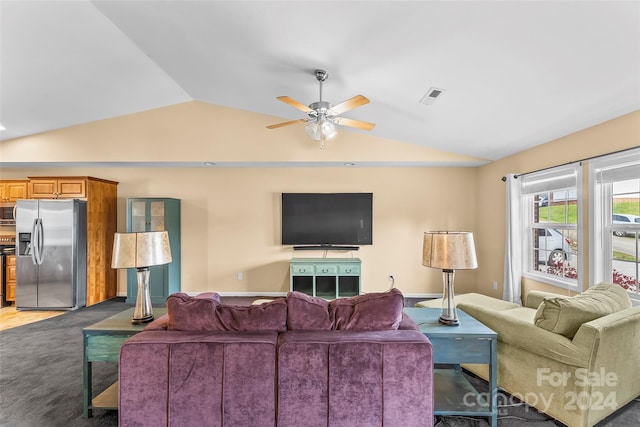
156,214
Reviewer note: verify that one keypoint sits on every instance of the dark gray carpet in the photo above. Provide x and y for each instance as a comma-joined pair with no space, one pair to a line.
41,379
41,371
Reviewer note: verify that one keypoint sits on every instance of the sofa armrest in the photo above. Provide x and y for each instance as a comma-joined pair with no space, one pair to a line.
534,298
617,346
515,327
159,324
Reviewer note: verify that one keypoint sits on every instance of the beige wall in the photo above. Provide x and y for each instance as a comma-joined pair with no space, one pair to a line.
231,220
618,134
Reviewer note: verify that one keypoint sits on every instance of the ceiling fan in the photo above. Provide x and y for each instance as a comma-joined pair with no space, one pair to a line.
323,116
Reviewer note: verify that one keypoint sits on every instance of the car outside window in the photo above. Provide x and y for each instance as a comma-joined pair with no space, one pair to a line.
551,206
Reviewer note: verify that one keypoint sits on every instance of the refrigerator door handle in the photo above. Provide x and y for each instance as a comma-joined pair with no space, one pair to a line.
38,241
34,240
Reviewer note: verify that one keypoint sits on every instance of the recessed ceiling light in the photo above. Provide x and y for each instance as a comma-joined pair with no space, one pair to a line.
2,127
430,97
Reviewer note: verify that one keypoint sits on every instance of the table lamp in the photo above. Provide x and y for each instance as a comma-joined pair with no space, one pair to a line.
450,251
141,251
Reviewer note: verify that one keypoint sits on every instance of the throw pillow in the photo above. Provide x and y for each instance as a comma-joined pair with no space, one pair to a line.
564,316
372,311
268,316
307,312
186,313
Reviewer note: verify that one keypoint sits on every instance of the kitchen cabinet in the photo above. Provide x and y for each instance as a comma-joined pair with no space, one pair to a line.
156,214
58,187
325,277
11,278
102,216
12,190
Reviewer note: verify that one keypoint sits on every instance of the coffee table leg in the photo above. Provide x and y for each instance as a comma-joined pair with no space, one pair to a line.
86,392
493,383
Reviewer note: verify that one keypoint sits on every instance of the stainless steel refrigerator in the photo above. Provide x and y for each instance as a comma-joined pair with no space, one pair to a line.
51,258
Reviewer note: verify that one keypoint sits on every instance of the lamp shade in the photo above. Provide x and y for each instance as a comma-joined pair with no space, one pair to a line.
449,250
136,250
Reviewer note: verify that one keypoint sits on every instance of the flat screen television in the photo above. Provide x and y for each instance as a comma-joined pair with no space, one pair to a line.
327,220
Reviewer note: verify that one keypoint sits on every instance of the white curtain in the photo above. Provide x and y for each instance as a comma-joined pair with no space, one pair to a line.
513,243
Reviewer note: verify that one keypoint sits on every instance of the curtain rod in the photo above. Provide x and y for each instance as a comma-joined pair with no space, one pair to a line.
504,178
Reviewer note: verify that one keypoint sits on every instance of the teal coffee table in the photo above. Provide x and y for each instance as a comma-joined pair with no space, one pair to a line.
470,342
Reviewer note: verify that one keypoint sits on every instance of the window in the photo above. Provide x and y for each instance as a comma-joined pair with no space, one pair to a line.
615,220
551,211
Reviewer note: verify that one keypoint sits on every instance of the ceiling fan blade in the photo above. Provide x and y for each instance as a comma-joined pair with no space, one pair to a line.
279,125
354,123
295,104
349,104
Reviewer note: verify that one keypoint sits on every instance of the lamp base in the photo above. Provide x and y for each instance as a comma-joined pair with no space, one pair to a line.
138,321
143,312
448,322
448,315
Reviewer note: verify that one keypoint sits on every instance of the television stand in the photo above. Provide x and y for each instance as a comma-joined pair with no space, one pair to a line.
326,248
327,278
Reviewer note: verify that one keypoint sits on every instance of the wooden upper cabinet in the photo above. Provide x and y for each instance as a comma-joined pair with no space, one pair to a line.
12,190
58,187
101,196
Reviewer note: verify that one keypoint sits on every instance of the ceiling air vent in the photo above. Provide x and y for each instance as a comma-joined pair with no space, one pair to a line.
430,97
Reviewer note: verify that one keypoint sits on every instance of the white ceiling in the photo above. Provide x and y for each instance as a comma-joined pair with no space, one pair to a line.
516,74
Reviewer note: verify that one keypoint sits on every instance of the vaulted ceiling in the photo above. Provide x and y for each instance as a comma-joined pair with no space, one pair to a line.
514,74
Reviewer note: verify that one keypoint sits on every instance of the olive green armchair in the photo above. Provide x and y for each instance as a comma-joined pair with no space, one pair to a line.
576,359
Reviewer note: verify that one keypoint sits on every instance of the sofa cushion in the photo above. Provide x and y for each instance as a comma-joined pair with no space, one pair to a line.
305,312
564,316
268,316
372,311
186,313
205,313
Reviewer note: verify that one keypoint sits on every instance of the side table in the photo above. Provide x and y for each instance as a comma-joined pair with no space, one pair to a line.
101,343
469,342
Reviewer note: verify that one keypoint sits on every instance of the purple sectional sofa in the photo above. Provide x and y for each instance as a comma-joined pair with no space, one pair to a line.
295,361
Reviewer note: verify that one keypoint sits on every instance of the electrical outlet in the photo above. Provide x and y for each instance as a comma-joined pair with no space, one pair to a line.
390,277
495,285
240,275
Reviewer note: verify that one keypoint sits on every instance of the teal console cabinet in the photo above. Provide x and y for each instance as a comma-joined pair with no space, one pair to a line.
325,277
156,214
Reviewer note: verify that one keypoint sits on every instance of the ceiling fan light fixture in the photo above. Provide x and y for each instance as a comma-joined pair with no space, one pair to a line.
328,129
313,131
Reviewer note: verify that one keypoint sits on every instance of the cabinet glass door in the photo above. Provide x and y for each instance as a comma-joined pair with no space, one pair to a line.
138,216
157,216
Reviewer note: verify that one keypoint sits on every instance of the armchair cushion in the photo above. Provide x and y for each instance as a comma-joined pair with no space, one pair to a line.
564,316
